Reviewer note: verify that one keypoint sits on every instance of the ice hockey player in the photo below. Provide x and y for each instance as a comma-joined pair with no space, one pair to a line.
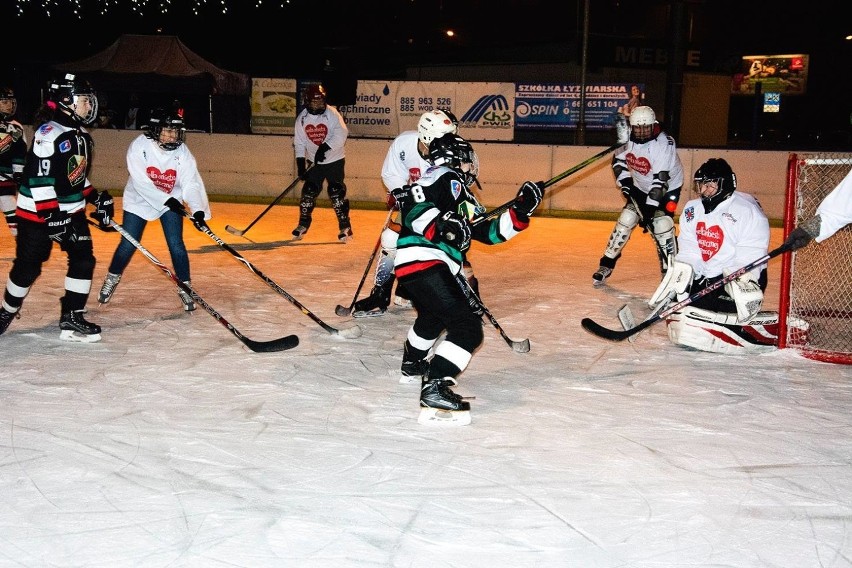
435,233
406,160
13,151
720,232
51,207
649,174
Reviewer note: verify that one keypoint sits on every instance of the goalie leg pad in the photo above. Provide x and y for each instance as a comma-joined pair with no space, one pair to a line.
717,332
663,231
627,221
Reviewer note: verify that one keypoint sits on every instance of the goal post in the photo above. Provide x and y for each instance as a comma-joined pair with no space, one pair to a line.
815,304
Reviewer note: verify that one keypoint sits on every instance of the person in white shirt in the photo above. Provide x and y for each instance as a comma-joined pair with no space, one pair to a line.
320,138
163,175
720,232
832,214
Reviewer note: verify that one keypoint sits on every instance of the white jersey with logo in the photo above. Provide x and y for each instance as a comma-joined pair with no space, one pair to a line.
650,163
403,164
157,174
312,130
733,235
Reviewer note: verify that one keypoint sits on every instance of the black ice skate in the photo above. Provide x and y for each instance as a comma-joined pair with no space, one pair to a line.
6,318
413,371
345,235
376,303
604,271
74,327
439,405
299,232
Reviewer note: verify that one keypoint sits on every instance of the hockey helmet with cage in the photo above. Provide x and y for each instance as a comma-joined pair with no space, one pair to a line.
715,170
456,153
643,124
434,124
8,103
314,99
68,94
170,121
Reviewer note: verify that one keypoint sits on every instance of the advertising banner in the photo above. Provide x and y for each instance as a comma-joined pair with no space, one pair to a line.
785,74
554,106
383,109
273,106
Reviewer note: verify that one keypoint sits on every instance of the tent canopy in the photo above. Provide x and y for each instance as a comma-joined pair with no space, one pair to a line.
157,63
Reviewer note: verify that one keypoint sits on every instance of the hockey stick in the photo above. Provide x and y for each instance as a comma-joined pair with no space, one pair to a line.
344,311
647,227
503,208
280,344
349,332
240,233
517,346
619,335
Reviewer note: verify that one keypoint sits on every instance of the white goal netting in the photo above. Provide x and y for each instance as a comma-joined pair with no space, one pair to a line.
816,281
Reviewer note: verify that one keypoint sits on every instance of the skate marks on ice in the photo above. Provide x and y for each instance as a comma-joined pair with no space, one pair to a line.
264,246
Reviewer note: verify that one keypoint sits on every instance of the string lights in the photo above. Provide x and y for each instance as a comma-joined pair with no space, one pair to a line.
81,8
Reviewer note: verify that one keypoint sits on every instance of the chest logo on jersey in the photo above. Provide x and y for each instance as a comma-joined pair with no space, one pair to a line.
710,240
164,181
414,174
638,164
5,142
316,134
77,169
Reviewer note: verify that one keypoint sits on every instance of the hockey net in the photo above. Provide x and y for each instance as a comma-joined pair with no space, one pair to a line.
816,281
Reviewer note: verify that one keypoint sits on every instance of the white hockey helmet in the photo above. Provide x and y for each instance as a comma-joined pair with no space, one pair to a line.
434,124
642,116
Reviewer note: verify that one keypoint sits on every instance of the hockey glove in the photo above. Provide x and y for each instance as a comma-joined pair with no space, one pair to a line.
676,282
198,220
454,230
104,209
175,206
746,294
528,199
321,151
390,200
59,227
301,167
401,197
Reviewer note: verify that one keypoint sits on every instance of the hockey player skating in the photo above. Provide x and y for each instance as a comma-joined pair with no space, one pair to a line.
163,174
650,175
51,207
435,233
406,160
13,151
319,138
832,214
721,231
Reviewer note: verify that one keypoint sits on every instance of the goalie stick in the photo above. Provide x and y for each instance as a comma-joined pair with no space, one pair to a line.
242,232
343,311
618,335
499,210
349,332
280,344
517,346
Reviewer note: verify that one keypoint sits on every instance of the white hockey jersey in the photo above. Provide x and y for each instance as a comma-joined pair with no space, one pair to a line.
157,174
733,235
403,164
312,130
835,211
650,164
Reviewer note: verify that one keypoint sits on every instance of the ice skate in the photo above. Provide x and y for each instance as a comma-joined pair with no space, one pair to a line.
345,235
413,371
299,232
440,406
600,275
376,303
74,327
110,284
186,299
6,318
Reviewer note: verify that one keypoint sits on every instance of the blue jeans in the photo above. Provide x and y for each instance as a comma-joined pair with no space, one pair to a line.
173,231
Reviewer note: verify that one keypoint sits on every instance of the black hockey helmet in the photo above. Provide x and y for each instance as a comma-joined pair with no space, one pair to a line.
715,170
167,120
68,94
8,103
314,99
456,153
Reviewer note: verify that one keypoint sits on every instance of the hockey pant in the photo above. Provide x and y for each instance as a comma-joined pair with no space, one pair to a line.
662,230
441,305
33,248
719,332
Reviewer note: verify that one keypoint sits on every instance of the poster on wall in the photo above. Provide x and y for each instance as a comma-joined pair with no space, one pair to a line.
784,74
383,109
555,106
273,106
